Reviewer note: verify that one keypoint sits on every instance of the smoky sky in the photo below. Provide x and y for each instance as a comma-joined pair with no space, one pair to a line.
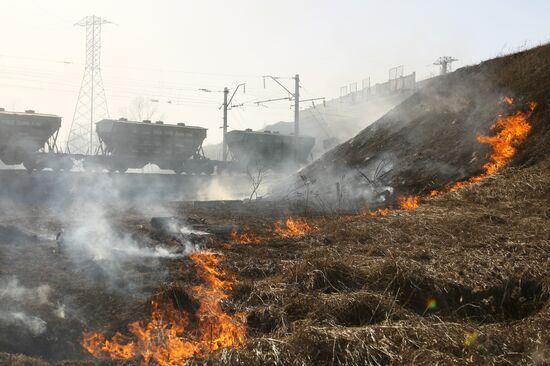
166,50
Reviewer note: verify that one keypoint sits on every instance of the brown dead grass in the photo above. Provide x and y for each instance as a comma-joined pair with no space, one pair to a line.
355,292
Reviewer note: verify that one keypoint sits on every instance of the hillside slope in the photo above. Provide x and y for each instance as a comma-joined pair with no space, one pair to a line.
430,140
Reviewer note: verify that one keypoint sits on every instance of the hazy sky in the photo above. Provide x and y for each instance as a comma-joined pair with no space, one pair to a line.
167,49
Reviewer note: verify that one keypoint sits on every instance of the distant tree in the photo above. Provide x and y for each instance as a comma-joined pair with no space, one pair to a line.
141,109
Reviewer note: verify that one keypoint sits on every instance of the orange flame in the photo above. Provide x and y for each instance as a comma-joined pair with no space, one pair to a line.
512,131
166,339
292,228
409,202
220,330
119,347
245,237
379,212
435,193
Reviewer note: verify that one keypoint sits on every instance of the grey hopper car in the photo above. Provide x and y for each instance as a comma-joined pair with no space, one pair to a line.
130,144
268,149
24,134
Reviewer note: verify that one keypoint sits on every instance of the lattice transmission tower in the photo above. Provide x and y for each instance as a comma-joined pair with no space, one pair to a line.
91,105
445,63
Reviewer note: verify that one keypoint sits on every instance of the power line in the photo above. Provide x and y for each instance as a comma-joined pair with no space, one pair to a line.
66,62
127,67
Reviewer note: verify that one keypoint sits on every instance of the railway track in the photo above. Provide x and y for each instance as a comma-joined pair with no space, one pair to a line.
134,174
38,186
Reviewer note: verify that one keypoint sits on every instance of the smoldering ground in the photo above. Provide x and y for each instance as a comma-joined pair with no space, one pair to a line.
69,263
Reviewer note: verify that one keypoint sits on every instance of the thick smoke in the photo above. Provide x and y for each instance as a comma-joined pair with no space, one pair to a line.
102,249
426,142
218,188
80,247
15,298
94,238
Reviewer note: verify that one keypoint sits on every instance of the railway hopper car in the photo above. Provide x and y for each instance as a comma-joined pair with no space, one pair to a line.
131,144
268,149
30,138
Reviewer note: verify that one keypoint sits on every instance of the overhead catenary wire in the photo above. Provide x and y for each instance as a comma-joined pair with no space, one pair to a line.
128,67
63,76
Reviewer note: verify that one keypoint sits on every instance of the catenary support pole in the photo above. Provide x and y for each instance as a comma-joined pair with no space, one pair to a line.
224,143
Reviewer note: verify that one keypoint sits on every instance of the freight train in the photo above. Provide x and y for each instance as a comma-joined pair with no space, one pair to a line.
130,144
30,139
268,149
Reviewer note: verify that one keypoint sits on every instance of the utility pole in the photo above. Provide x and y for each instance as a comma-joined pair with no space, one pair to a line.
292,96
224,142
226,106
296,107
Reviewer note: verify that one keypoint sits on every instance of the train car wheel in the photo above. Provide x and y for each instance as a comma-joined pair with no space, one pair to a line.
30,165
117,166
207,169
177,168
89,166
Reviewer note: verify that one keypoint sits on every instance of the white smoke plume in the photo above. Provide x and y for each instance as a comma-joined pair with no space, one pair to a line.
100,250
10,289
33,324
14,296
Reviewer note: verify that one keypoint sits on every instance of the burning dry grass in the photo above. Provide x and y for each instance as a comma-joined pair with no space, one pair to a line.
465,279
167,338
282,229
379,212
245,237
174,336
292,228
457,282
409,202
511,131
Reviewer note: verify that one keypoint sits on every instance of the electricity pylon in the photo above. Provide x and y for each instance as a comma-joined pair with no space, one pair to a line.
445,62
91,105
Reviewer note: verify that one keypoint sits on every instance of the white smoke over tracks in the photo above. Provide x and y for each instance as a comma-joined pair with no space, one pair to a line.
96,239
106,250
100,250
